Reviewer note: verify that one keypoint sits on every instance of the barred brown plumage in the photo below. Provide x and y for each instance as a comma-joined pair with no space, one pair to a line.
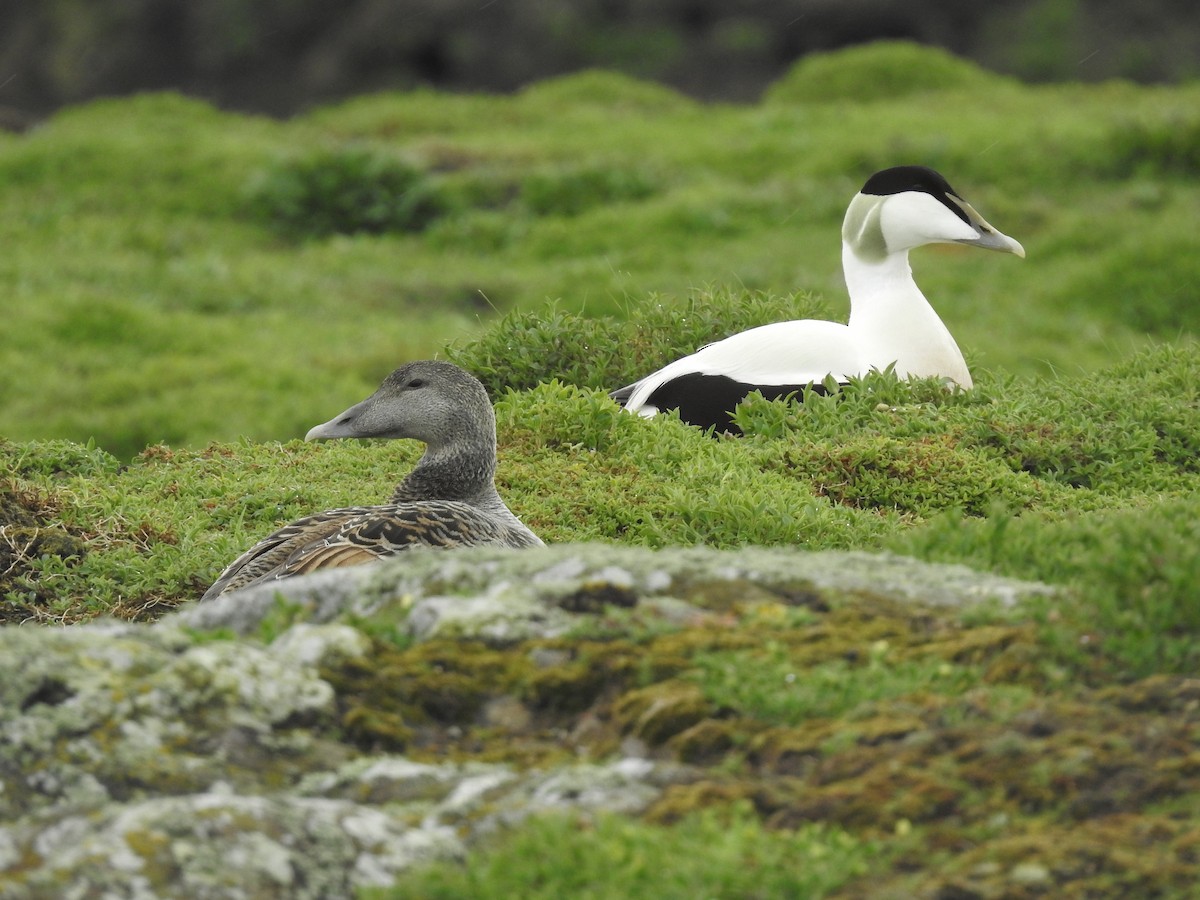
449,499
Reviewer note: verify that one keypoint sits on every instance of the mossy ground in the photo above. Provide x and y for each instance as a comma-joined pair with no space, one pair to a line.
968,760
170,271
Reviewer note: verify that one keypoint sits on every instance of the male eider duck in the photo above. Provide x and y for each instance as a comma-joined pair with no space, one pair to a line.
891,322
448,500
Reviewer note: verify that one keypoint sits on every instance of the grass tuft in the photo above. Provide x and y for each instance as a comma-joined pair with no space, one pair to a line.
715,853
345,190
882,70
525,348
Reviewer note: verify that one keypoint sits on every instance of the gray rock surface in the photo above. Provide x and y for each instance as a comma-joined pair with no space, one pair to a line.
190,759
507,594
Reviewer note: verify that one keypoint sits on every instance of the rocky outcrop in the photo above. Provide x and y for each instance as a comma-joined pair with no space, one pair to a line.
230,750
500,595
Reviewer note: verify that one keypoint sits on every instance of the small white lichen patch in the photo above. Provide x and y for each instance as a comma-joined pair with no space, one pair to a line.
503,613
255,686
319,645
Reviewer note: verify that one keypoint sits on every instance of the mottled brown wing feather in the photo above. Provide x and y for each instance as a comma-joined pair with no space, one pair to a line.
388,530
274,550
328,556
355,535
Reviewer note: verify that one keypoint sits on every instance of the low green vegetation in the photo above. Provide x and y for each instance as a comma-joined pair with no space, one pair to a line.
187,288
711,854
173,272
345,191
775,685
1089,481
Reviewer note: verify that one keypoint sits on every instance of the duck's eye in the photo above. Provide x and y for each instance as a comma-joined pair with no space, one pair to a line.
416,383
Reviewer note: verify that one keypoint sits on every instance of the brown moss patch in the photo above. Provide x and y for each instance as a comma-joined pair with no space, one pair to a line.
708,741
1157,694
681,800
594,597
1123,855
27,535
572,676
390,699
790,751
659,712
976,645
739,594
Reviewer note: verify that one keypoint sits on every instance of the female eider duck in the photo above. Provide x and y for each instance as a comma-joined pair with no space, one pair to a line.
891,322
448,500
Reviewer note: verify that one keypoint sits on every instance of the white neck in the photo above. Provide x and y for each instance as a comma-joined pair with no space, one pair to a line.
893,322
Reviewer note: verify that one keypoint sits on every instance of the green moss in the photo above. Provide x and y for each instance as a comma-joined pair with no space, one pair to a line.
603,91
161,250
723,853
916,478
1130,613
525,348
1165,144
571,192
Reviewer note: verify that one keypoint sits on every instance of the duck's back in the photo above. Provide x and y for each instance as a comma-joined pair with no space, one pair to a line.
359,534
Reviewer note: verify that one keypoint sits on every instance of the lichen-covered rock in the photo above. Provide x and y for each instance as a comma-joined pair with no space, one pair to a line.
218,844
138,762
504,595
103,711
324,734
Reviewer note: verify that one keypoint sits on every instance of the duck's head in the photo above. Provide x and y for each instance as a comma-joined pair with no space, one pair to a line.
428,400
909,206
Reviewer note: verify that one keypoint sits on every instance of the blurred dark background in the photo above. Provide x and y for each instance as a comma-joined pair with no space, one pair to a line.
282,56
